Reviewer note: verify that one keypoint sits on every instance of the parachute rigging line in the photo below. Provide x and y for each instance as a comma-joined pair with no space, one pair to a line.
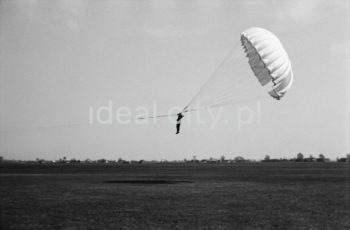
44,127
155,116
229,54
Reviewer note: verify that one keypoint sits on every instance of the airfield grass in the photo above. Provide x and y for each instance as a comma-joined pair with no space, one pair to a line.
174,196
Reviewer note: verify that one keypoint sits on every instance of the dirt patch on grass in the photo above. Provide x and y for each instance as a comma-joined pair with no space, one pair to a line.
150,182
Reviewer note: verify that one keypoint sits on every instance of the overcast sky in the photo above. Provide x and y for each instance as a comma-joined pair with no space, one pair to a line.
59,58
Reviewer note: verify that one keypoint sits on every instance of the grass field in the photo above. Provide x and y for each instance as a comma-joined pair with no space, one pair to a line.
164,196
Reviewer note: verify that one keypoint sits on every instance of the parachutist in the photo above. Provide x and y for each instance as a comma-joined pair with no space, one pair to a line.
178,122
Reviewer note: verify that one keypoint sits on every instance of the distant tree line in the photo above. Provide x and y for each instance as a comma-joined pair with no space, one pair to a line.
300,158
222,160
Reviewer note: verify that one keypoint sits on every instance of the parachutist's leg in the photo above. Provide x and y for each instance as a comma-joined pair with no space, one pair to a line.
177,128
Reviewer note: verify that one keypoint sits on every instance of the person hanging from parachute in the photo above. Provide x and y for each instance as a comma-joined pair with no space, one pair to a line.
178,122
268,62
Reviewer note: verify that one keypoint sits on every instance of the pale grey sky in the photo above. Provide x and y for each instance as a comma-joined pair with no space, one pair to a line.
59,57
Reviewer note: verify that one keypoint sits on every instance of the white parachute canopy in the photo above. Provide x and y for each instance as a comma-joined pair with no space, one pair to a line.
233,81
268,60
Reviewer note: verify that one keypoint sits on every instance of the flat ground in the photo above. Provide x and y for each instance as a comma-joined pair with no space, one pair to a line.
236,196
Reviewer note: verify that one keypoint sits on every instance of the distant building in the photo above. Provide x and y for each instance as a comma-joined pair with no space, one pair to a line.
322,160
309,159
343,159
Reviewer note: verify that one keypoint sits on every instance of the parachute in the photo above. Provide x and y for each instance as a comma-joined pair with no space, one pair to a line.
268,60
233,81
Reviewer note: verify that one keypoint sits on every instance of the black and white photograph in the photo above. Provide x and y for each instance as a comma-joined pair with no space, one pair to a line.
175,114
